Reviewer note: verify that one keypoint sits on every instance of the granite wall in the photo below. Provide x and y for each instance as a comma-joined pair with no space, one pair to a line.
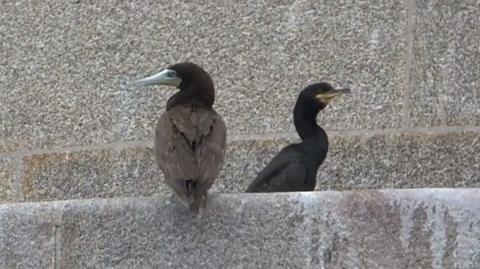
67,129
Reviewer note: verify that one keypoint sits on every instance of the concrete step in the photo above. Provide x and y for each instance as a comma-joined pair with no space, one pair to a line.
354,161
414,228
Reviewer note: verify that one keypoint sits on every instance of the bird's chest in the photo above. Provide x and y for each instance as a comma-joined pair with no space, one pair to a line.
312,160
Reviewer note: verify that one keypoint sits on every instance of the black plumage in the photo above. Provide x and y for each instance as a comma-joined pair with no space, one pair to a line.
190,136
295,167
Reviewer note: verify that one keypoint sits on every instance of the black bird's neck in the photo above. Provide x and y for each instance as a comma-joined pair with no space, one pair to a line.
201,94
314,138
305,119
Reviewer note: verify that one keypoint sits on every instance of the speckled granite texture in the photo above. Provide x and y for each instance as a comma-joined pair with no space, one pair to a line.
403,161
445,82
437,228
61,64
68,130
355,162
7,178
90,174
27,235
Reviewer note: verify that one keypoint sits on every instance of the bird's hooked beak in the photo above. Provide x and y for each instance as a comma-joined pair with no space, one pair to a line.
325,97
164,77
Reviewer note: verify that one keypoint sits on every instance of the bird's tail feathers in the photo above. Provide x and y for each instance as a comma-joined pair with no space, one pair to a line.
196,196
190,190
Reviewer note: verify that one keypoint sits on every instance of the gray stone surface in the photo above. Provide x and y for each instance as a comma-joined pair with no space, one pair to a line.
27,235
435,228
420,160
445,80
416,160
61,64
67,175
129,172
244,159
409,160
7,178
89,174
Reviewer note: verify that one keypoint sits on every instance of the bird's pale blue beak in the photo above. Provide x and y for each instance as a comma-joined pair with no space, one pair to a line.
164,77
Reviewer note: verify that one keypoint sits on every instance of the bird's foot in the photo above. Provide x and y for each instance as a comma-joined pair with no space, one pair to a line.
198,205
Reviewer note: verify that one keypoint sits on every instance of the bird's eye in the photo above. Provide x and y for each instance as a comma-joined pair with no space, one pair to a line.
172,74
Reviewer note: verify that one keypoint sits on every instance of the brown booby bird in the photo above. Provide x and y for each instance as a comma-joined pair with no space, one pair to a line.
190,136
295,167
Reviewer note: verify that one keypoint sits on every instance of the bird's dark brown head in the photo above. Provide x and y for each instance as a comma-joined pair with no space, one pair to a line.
192,76
194,83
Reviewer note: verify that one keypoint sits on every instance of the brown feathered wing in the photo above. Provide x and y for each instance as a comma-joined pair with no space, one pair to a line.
190,150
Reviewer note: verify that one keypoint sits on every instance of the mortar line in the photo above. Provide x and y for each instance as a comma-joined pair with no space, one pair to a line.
408,62
109,146
439,130
55,247
363,132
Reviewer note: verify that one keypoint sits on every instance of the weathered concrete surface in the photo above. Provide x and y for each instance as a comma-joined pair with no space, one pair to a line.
434,228
445,80
353,162
61,64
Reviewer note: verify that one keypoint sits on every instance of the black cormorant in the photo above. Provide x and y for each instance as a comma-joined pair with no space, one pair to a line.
190,136
295,167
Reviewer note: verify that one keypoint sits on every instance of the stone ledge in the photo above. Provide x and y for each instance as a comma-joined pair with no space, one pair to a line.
414,228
